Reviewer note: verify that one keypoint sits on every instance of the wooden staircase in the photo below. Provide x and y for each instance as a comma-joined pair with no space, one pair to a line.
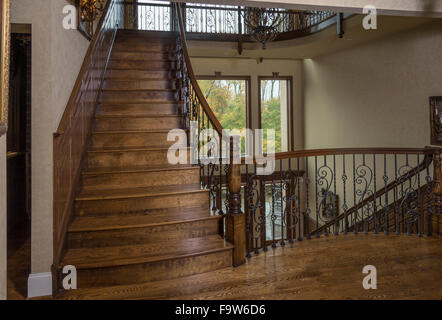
138,218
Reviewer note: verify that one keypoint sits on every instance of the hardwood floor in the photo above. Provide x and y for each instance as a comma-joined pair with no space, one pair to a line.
325,268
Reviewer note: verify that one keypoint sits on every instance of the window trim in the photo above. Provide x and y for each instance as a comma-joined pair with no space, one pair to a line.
289,79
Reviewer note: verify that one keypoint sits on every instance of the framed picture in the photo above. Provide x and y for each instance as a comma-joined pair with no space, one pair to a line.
4,64
436,120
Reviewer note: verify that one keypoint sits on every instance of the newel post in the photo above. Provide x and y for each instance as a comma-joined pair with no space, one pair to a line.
235,219
437,192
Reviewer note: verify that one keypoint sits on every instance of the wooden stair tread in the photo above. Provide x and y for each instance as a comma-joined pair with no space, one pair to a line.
141,68
139,90
87,258
150,218
138,192
134,169
129,78
128,149
119,116
140,103
144,60
134,131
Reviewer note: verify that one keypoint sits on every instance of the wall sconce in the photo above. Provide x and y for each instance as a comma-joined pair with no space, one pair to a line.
89,10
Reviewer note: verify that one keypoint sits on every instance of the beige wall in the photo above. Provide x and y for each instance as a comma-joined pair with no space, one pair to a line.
3,244
250,67
375,94
57,55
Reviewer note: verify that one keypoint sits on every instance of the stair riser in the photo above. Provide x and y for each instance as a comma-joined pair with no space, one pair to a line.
144,45
141,179
142,65
137,96
125,55
140,74
138,123
162,270
134,236
109,140
130,158
139,84
134,205
142,109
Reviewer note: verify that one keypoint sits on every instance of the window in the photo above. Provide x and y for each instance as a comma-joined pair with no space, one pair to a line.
274,109
228,98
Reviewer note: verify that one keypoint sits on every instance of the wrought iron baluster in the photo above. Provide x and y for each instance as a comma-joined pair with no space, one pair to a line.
316,196
307,194
419,199
335,205
282,202
298,178
396,209
263,209
429,198
375,214
344,206
247,212
356,211
386,205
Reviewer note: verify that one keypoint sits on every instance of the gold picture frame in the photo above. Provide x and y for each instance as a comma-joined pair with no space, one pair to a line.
5,41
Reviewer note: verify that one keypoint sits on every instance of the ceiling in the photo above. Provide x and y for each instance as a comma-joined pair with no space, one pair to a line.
323,42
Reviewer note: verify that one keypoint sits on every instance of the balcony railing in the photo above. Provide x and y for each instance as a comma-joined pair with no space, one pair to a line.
216,22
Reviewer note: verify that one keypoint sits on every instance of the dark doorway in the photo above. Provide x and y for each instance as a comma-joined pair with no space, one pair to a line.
19,162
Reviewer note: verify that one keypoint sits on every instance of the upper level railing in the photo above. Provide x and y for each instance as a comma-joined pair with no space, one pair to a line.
216,22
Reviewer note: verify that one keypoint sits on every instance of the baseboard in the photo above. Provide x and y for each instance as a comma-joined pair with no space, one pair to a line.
40,284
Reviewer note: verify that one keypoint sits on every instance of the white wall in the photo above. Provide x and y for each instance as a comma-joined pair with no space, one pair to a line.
57,55
375,94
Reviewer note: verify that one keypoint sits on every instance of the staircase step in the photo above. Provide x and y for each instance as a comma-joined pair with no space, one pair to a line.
136,122
87,232
139,176
145,45
143,64
142,109
155,217
140,74
135,139
143,55
138,96
156,261
119,84
123,157
134,200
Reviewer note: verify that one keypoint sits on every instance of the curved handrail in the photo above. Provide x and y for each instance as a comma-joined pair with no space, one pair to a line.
199,94
428,159
87,60
340,151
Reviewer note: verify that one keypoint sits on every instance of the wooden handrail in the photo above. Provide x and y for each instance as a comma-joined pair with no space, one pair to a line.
342,151
201,98
87,60
428,159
